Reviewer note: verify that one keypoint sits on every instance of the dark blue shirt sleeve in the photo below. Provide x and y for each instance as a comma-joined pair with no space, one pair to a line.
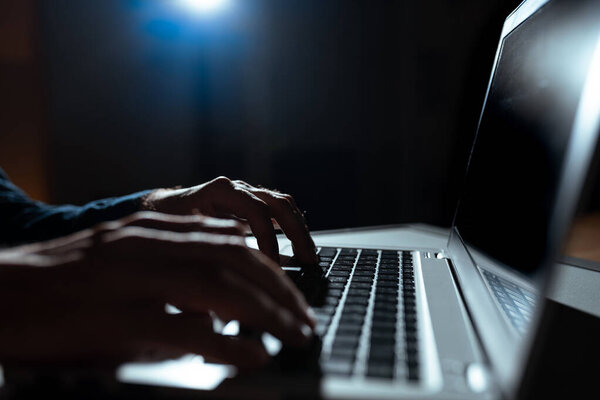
23,220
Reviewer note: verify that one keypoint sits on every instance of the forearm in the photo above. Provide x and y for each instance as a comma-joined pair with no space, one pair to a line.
24,220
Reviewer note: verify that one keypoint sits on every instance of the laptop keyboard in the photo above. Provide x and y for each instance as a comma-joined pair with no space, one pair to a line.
517,302
368,319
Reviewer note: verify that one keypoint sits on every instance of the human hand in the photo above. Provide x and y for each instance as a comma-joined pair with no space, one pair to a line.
99,295
259,207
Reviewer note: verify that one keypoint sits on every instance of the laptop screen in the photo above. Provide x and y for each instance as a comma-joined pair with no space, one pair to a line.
525,127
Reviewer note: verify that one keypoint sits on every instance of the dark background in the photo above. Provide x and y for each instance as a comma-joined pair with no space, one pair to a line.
363,110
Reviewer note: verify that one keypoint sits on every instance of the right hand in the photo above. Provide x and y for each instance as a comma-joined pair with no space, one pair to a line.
99,295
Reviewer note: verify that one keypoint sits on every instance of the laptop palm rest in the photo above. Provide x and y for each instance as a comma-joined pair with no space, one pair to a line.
450,325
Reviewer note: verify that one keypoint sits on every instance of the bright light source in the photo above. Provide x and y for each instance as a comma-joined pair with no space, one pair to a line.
205,6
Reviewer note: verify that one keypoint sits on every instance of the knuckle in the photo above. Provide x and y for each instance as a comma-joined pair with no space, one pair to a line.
199,219
142,216
222,181
106,227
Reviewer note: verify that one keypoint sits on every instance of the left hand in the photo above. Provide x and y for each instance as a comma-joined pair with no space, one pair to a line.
260,208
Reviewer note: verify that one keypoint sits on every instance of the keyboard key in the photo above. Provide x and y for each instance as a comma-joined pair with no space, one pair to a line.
410,301
337,279
358,292
384,338
359,300
361,285
385,356
349,330
369,252
323,321
327,252
383,326
343,352
345,274
354,310
346,341
351,319
368,256
337,367
324,310
362,279
386,298
343,264
387,284
369,274
385,307
367,264
386,290
376,370
336,285
334,293
331,301
413,374
384,317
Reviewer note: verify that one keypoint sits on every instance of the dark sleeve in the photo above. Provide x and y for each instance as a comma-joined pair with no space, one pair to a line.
24,220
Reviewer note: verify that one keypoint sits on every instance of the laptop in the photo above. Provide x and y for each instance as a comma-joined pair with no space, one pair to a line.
457,320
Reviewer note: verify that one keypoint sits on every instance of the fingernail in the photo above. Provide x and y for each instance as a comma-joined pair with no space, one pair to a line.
306,331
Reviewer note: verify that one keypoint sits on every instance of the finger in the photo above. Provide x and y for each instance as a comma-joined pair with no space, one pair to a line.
243,204
70,243
189,334
232,298
283,208
269,277
192,261
185,223
250,306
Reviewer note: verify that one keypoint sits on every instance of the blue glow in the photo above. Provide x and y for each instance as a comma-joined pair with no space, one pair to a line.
205,6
